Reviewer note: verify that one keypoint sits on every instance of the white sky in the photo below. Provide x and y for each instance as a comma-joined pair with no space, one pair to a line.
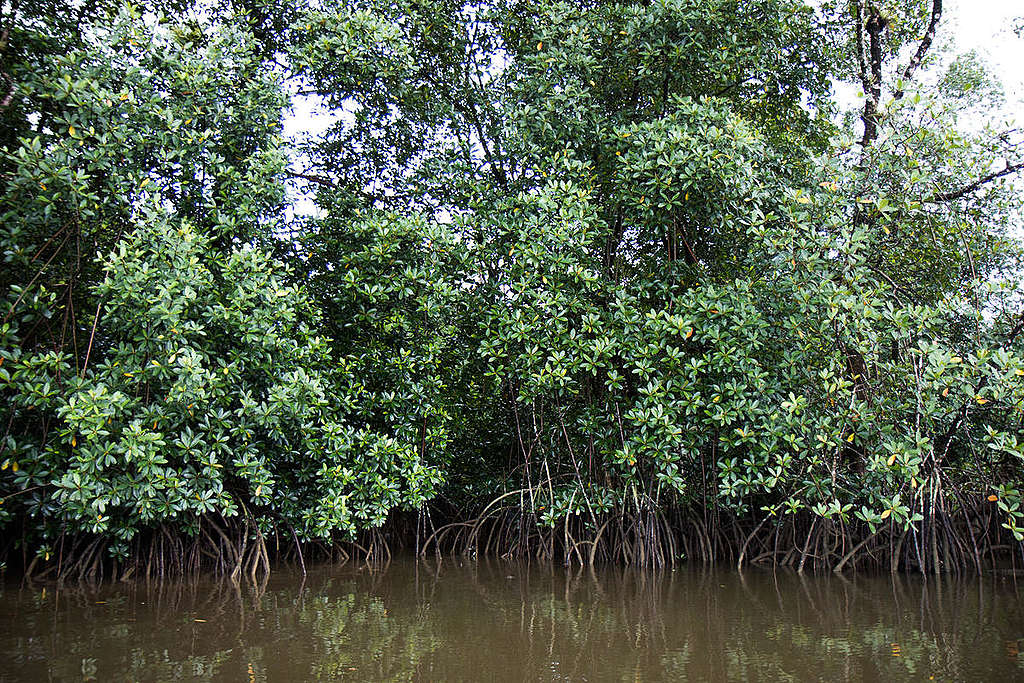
987,27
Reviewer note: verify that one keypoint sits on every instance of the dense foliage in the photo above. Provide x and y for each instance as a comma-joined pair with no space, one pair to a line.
609,280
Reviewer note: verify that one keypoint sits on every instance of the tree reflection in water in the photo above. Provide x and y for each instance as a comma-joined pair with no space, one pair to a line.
460,620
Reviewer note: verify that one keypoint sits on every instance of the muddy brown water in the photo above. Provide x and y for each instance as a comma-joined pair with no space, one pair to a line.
495,621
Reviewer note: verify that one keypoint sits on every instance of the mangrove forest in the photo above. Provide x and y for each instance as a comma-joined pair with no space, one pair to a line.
633,282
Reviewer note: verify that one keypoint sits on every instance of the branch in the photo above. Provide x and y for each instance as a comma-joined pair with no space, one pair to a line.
468,111
859,11
874,26
922,49
319,180
727,88
947,438
92,335
967,189
10,91
1017,329
332,184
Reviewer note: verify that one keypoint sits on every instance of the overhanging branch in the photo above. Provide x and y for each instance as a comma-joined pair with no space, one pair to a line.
967,189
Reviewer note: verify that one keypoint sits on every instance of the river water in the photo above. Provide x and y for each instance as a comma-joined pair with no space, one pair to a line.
493,621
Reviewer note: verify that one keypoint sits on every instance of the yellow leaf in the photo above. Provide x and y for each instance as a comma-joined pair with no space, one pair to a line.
891,460
886,229
982,401
886,514
74,442
1020,373
849,439
945,392
993,498
71,131
14,467
689,333
540,46
955,359
259,489
804,200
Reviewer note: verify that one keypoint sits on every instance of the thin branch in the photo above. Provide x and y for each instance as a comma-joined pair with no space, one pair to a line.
92,335
28,287
323,181
319,180
967,189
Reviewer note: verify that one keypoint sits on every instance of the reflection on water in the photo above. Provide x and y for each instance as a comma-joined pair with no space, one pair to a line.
498,621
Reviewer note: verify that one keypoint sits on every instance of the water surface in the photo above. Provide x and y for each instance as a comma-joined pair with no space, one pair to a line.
493,621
